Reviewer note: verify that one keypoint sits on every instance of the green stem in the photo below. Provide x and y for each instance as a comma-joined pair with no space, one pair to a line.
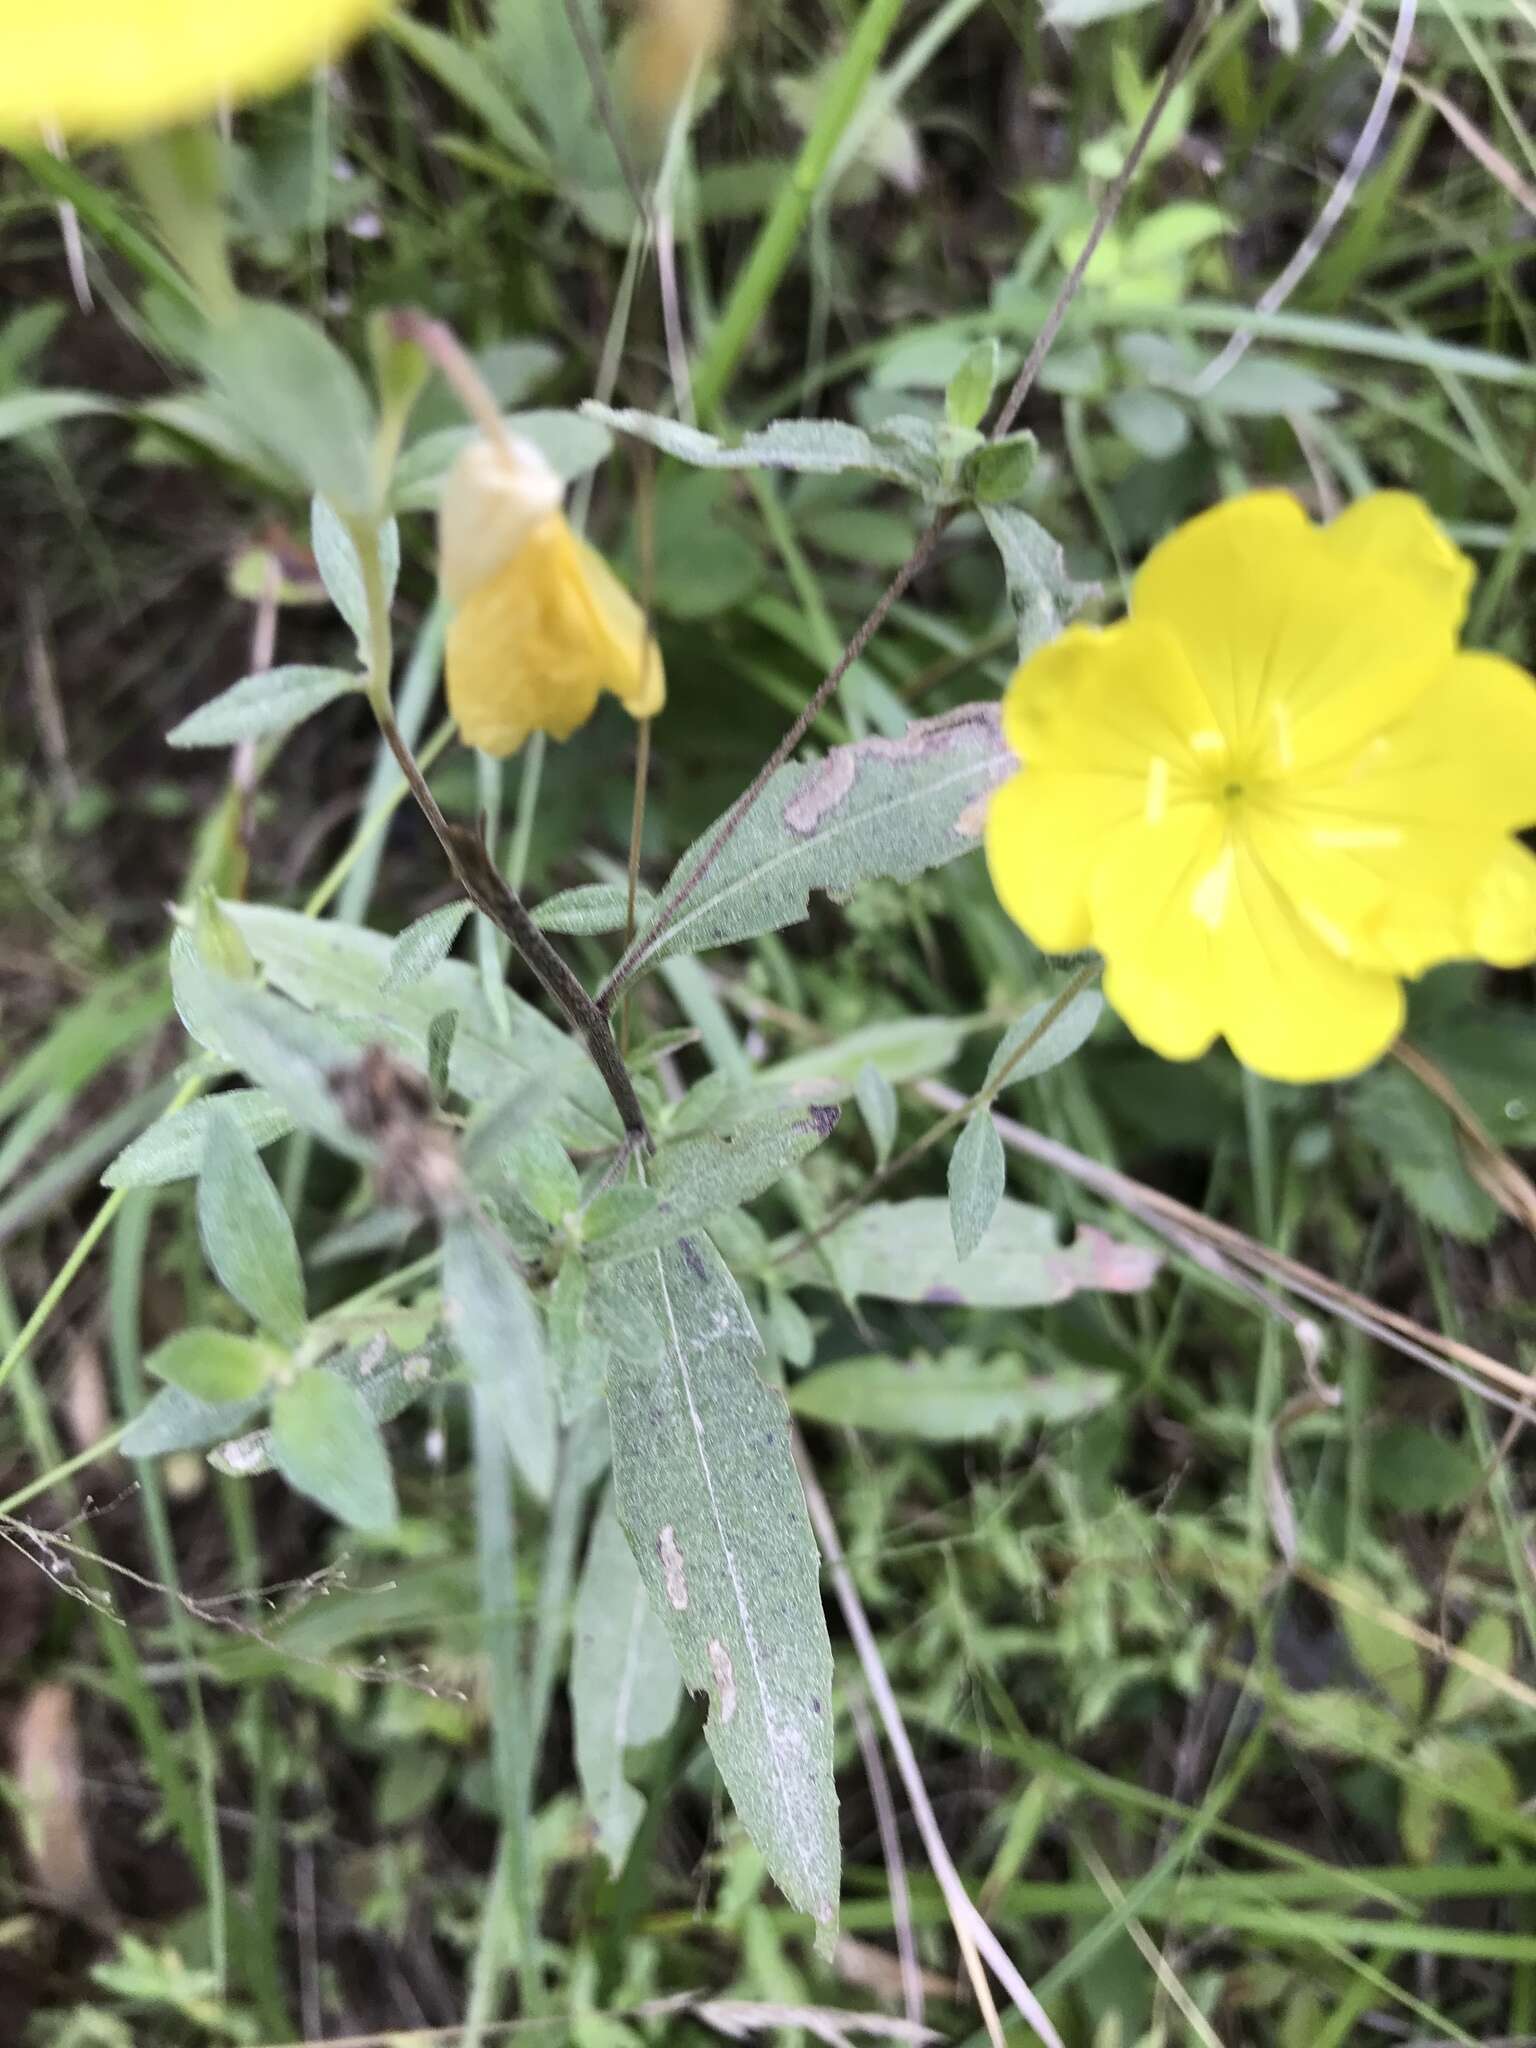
781,231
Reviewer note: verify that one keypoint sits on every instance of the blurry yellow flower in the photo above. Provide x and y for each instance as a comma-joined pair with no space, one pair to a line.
117,67
1276,788
541,624
671,42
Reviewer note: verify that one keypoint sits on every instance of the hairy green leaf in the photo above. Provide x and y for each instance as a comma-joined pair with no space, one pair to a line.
978,1173
215,1366
260,707
172,1149
342,573
874,808
246,1234
299,396
336,967
423,946
327,1445
1057,1042
697,1178
174,1420
625,1684
708,1497
811,447
878,1107
495,1326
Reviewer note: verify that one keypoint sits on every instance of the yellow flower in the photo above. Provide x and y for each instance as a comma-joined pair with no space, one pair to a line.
541,624
672,42
1275,789
118,67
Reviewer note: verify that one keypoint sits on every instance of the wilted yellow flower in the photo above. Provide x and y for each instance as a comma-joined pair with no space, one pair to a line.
541,624
671,42
118,67
1276,788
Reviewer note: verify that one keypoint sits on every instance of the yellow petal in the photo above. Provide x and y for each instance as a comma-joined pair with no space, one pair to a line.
1045,834
493,497
1302,654
1158,953
1393,530
530,647
1108,699
117,67
1502,910
1200,938
1291,1008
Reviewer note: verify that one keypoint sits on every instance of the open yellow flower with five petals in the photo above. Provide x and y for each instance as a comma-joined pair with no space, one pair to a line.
103,68
541,624
1276,788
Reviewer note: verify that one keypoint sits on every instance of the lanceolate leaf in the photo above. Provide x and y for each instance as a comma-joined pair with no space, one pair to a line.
698,1177
263,706
246,1233
977,1175
326,1444
902,1251
625,1684
874,808
708,1497
812,447
173,1148
338,967
1048,1047
495,1326
953,1399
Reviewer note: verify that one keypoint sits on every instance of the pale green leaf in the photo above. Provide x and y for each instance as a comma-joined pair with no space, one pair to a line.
423,946
1264,387
1388,1659
969,390
1056,1042
873,808
300,397
289,1052
1041,592
172,1149
708,1497
246,1234
902,1251
337,967
262,706
625,1684
342,573
1465,1692
327,1446
386,1378
495,1327
878,1107
24,412
978,1173
811,447
698,1177
577,1354
173,1420
951,1400
214,1366
592,907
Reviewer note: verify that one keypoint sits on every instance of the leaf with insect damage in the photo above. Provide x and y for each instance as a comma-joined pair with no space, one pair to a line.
903,1251
877,808
708,1496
